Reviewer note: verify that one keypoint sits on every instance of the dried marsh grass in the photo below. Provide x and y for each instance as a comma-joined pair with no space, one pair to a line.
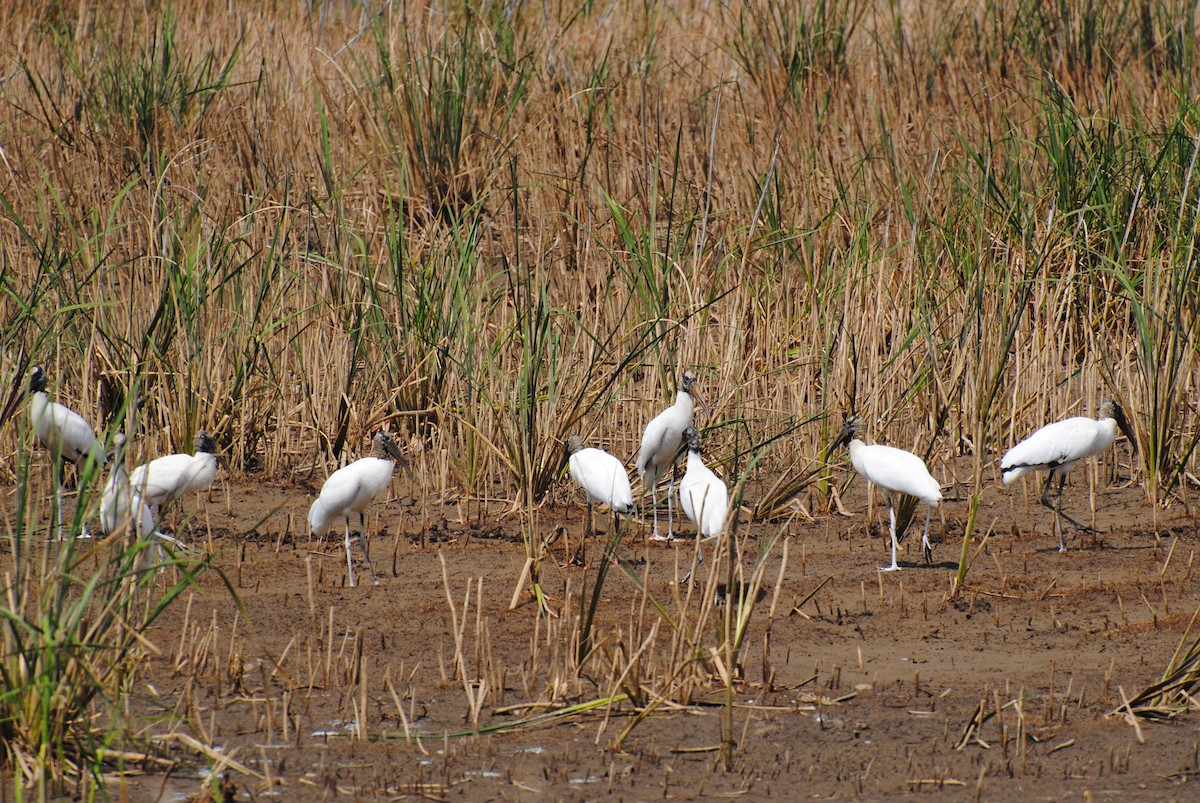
492,224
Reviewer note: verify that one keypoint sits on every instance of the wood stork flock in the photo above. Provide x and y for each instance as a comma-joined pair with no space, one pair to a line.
129,500
704,497
135,499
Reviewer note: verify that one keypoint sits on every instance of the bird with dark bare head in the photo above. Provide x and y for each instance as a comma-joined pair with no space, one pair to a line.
1057,447
351,489
661,444
893,471
168,478
64,433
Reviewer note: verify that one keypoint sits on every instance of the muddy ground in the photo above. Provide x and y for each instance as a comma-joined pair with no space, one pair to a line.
862,690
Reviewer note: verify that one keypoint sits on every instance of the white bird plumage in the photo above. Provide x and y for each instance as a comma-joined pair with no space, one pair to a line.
120,506
1057,447
350,489
702,495
64,433
661,442
602,477
166,479
893,471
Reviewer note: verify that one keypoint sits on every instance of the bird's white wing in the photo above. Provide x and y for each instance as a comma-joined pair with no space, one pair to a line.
603,478
64,432
200,474
716,505
352,487
896,470
704,498
161,478
1063,442
660,442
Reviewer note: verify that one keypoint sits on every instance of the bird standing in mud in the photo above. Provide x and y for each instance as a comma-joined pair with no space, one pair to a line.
661,442
1057,447
64,433
350,489
168,478
893,471
602,477
702,495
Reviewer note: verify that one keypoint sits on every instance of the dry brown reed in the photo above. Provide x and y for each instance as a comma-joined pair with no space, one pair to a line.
311,225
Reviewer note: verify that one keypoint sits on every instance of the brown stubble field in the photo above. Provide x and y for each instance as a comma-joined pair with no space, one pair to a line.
485,226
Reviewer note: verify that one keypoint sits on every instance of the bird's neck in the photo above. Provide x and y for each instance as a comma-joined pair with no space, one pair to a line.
381,454
684,402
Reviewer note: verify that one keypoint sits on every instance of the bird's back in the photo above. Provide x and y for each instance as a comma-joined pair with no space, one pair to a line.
896,470
351,488
603,478
200,474
1060,444
703,496
63,431
161,478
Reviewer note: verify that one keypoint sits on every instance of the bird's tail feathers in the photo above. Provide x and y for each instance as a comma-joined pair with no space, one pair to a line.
1011,473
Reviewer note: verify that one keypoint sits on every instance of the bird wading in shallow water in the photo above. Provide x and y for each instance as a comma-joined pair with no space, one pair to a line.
702,495
1056,447
893,471
350,489
166,479
661,444
65,434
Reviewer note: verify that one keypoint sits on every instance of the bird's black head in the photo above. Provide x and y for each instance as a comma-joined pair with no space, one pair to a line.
204,443
37,380
574,444
691,439
1113,409
387,449
691,386
851,429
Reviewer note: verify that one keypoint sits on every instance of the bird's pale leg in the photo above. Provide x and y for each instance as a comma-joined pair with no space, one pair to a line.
670,504
925,546
895,567
349,558
362,540
56,519
654,504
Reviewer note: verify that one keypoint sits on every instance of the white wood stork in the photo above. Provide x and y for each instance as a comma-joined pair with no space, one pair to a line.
1057,447
120,506
893,471
661,443
350,489
65,434
168,478
702,495
602,476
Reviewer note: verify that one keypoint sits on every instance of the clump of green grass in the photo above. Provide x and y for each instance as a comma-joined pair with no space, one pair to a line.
74,629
